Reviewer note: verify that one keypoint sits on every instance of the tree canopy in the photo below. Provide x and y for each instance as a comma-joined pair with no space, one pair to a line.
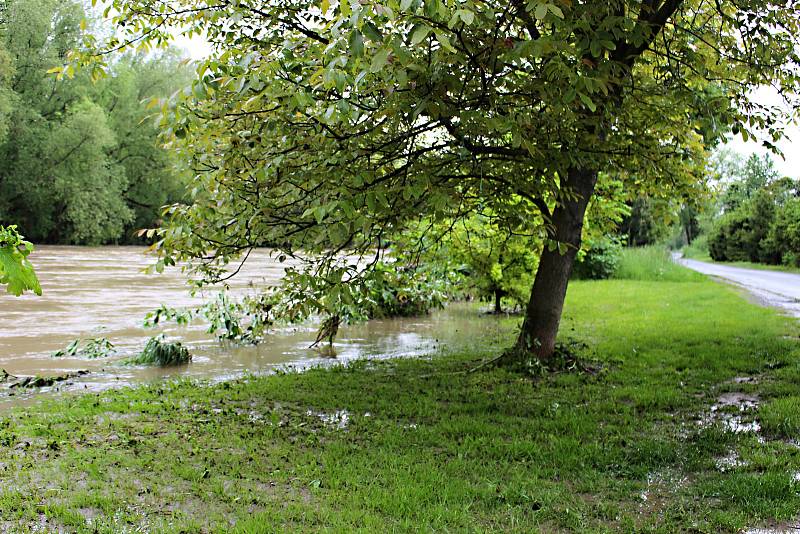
79,164
326,127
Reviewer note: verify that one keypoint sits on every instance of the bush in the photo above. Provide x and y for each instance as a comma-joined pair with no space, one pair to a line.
99,347
784,236
397,291
599,261
740,235
163,353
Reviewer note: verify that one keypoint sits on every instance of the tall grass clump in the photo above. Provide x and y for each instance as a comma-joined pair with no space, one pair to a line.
652,263
160,352
698,250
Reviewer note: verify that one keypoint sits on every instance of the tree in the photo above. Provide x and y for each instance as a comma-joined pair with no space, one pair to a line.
324,126
152,179
757,209
744,180
80,166
646,223
498,263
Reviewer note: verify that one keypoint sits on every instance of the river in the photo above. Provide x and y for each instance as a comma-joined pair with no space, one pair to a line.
103,292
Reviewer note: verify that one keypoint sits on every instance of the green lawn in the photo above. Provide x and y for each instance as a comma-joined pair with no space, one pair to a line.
426,448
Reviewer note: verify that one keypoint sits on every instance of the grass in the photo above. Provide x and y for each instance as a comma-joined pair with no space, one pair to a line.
419,445
652,263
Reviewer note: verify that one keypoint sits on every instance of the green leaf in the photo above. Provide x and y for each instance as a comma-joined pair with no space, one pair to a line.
555,10
541,11
356,43
372,32
380,59
587,101
17,272
419,33
444,41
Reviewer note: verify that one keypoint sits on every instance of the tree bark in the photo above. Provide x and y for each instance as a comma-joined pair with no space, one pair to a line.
498,298
537,337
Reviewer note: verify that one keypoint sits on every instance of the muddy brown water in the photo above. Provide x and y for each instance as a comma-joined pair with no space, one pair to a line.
102,292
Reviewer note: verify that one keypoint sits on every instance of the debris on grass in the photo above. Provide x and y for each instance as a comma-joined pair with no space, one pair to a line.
11,382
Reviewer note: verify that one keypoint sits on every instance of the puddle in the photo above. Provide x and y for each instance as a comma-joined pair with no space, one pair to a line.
730,462
661,483
338,419
744,380
734,410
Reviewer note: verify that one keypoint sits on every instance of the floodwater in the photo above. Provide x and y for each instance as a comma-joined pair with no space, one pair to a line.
102,292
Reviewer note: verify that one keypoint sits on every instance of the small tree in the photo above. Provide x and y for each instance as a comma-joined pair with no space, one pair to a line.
499,263
326,126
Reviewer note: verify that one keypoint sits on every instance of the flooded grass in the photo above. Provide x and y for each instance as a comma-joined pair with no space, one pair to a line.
417,445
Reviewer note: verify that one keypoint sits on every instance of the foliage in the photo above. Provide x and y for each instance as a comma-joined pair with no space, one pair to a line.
496,263
398,290
16,271
759,221
240,321
326,127
784,235
81,165
396,287
652,263
745,180
599,261
738,235
93,348
646,223
157,351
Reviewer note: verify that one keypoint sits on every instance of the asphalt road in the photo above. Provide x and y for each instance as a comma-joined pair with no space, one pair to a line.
781,290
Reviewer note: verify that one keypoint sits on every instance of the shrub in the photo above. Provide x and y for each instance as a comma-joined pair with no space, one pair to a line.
740,234
157,351
397,291
784,236
599,261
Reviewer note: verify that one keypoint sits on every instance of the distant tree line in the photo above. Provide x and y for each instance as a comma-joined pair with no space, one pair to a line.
79,159
759,215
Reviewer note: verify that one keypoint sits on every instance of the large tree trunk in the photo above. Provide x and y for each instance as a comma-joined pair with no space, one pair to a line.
542,316
498,301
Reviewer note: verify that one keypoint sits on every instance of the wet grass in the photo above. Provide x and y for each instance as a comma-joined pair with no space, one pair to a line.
782,417
419,445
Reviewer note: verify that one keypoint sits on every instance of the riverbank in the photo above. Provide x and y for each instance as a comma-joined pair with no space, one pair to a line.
666,437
